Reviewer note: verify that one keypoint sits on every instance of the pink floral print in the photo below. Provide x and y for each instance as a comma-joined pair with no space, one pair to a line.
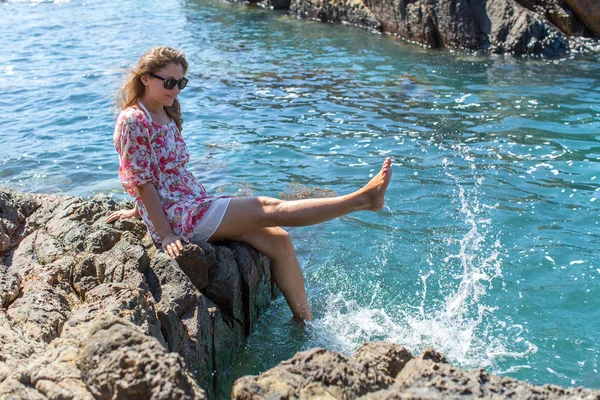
149,152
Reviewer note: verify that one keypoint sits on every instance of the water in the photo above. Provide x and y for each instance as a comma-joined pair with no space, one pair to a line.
487,246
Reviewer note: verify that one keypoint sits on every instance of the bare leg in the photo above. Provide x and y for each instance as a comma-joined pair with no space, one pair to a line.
247,214
276,244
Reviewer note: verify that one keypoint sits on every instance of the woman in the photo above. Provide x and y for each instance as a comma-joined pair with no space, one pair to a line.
175,206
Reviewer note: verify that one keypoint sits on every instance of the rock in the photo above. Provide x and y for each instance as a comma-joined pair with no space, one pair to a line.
498,26
183,313
533,27
94,310
557,12
588,12
225,288
383,370
314,373
231,335
353,12
9,286
385,357
15,207
195,261
146,370
255,270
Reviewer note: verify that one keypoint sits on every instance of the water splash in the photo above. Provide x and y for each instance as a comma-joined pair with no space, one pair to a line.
452,312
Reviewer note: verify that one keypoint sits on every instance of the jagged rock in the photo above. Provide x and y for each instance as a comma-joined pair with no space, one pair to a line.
314,373
388,358
382,370
183,313
94,310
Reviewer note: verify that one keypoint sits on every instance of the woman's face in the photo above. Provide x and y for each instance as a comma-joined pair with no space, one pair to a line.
155,87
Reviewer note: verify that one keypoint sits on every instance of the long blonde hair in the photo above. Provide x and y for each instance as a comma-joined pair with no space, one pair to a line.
153,60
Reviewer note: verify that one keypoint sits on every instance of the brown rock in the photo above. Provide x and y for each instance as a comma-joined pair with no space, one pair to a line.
387,358
92,310
146,370
588,12
367,375
314,373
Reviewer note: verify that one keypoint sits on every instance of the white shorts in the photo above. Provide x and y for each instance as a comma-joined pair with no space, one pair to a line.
211,221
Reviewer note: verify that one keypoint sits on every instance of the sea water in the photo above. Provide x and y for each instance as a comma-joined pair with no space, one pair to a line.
487,247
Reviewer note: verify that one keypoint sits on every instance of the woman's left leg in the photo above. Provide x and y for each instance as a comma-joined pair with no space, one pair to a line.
276,244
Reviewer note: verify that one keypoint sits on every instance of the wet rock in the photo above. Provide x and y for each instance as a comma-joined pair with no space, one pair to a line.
588,11
384,370
94,310
355,12
532,27
231,335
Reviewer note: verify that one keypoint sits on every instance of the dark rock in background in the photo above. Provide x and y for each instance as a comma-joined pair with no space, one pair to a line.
90,310
530,27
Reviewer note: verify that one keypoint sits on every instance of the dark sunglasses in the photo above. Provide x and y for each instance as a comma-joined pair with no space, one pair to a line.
170,82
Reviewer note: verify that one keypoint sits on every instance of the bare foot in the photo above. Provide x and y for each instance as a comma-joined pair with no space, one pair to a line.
374,191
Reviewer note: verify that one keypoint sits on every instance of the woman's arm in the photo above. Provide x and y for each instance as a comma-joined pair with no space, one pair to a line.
171,243
155,211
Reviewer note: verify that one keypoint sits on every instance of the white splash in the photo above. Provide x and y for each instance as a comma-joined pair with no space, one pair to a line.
462,325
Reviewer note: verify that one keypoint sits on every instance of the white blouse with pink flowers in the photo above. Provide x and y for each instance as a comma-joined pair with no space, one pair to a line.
149,152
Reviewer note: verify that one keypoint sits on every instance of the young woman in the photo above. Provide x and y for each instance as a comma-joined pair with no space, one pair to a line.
175,206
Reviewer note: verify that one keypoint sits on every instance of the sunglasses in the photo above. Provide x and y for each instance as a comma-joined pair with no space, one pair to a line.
170,82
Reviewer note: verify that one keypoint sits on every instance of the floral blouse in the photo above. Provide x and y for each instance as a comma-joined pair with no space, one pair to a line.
149,152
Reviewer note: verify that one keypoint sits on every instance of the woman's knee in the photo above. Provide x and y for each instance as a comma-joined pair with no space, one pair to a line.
281,242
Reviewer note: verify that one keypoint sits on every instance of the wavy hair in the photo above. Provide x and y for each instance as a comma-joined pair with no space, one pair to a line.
153,60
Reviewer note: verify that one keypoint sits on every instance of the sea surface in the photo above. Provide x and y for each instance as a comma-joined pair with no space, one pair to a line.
488,246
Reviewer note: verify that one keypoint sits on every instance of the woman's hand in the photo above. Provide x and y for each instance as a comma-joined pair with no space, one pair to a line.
171,245
122,214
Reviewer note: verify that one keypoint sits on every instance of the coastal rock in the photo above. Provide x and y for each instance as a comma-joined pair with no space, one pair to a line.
532,27
498,26
94,310
382,370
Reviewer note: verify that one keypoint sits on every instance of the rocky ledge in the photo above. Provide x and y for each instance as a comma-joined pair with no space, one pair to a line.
534,27
90,310
382,370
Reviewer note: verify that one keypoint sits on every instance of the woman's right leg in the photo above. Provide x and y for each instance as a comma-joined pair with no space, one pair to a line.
247,214
276,244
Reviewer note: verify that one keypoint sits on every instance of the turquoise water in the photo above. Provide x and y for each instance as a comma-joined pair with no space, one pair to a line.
487,248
